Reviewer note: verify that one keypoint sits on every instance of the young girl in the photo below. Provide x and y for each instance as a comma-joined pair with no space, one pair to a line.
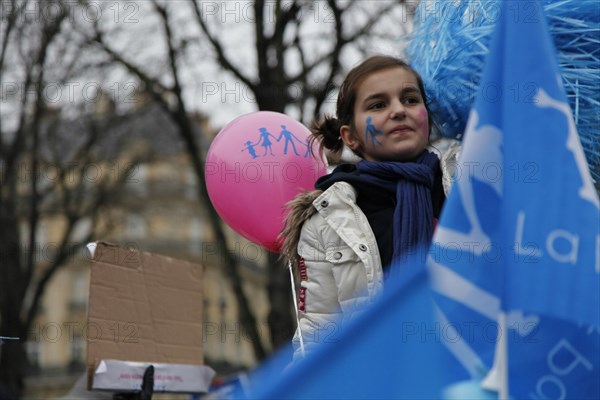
345,237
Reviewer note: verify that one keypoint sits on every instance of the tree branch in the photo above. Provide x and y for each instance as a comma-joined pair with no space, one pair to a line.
49,33
172,53
321,93
10,23
216,45
106,191
153,86
282,19
341,40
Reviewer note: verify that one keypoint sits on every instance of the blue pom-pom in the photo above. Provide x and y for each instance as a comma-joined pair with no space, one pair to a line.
450,42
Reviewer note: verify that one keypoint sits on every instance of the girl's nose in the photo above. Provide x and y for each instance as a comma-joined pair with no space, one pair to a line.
397,110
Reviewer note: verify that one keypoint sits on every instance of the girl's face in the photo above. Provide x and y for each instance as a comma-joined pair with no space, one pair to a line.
390,118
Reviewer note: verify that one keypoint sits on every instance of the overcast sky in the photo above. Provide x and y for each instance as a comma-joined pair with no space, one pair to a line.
134,30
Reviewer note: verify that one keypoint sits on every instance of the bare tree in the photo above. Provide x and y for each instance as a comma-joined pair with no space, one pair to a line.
44,157
193,35
170,98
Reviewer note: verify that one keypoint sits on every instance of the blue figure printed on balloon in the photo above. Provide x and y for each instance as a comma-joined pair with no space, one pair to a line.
250,148
264,140
289,140
449,44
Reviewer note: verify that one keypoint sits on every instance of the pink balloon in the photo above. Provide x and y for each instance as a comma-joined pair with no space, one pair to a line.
255,165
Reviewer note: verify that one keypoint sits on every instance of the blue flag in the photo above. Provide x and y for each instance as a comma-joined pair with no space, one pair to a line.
519,233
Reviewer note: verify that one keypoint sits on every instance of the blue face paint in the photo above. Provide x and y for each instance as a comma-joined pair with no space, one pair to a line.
371,132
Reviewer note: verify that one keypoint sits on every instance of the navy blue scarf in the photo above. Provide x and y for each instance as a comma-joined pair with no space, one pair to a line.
411,183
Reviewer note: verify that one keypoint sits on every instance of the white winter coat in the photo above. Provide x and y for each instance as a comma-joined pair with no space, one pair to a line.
339,263
328,238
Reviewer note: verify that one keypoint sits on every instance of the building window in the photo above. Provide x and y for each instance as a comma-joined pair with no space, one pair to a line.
138,180
135,226
82,229
191,185
80,289
33,350
196,235
77,350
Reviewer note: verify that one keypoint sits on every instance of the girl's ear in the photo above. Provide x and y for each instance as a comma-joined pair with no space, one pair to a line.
349,138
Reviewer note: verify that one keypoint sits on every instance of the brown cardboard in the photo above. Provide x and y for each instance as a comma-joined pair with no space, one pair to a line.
143,307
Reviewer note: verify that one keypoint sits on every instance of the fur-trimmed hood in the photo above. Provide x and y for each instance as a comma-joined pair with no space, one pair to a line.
300,209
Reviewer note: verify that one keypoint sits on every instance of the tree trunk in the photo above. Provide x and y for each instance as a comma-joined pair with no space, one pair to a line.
280,319
12,362
12,352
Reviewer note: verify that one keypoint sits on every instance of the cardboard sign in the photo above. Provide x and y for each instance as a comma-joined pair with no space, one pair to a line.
144,309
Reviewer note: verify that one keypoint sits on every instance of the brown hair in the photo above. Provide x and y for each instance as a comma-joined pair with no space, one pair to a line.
327,131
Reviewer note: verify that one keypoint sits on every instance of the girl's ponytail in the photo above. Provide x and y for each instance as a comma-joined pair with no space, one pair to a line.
327,133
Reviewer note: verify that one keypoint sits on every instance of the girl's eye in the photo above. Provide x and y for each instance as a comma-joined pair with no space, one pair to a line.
412,100
376,106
